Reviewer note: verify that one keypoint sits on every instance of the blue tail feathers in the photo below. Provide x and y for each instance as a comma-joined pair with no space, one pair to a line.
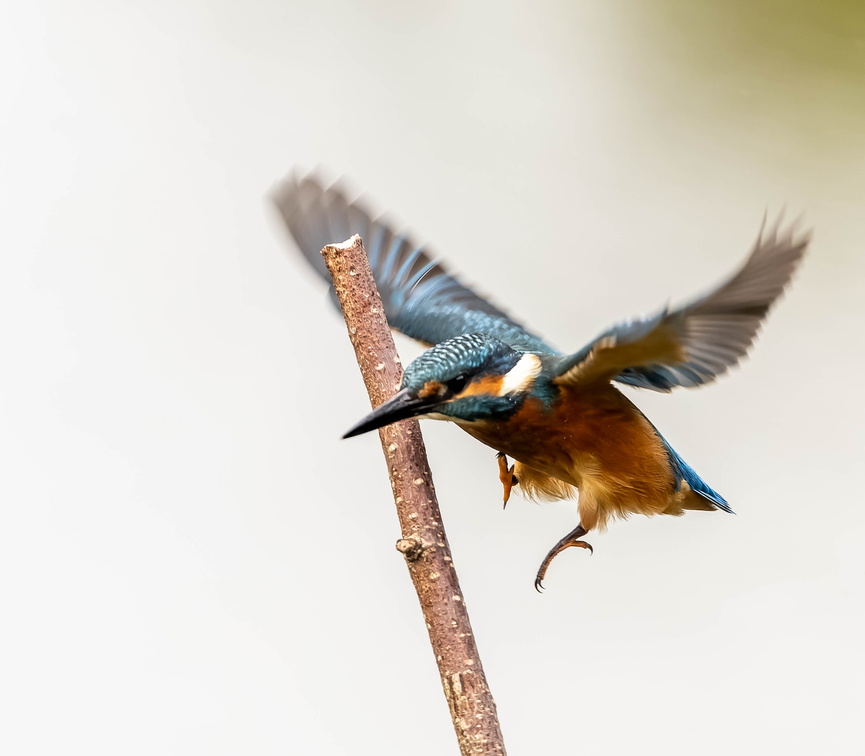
685,472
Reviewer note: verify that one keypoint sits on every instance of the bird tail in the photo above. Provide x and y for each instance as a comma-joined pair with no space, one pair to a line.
708,497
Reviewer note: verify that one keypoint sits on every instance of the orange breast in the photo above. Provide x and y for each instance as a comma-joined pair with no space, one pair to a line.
593,439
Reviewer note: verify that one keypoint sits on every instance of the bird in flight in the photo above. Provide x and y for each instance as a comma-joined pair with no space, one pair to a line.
559,416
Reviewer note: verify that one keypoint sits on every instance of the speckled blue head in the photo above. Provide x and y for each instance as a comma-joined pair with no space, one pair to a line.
471,355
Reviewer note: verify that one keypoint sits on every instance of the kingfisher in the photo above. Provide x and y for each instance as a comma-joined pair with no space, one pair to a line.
568,429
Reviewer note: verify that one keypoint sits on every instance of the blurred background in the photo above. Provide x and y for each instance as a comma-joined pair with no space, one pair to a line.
175,382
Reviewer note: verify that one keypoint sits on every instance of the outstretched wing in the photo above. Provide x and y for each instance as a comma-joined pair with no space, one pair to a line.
420,298
700,341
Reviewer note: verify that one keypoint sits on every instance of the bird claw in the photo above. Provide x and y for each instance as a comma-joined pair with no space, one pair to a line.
507,477
571,539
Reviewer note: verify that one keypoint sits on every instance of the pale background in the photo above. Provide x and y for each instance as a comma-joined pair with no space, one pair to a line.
192,562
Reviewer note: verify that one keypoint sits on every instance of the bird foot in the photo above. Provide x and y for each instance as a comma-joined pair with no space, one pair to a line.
571,539
506,476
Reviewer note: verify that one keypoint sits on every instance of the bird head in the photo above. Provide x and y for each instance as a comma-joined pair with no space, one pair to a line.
465,379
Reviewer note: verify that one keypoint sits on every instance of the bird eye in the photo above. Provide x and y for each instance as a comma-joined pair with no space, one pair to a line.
456,385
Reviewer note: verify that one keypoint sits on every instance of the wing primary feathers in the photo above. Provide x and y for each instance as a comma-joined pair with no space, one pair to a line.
420,298
690,346
701,341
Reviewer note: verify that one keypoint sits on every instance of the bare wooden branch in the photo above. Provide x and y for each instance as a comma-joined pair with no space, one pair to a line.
423,541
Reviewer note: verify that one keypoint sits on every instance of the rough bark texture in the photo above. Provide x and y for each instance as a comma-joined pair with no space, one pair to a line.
423,543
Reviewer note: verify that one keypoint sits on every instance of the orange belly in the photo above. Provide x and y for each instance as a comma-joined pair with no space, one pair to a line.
595,441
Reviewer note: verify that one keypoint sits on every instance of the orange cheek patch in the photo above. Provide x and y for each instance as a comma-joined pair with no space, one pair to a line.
431,388
491,385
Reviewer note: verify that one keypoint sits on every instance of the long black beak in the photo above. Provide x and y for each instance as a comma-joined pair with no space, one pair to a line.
402,405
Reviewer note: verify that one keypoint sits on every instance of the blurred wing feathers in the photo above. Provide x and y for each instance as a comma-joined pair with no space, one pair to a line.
420,298
700,341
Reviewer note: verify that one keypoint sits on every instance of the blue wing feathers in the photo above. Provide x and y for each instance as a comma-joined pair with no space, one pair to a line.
697,343
689,347
420,298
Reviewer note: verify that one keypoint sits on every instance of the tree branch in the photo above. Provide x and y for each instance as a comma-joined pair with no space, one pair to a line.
423,541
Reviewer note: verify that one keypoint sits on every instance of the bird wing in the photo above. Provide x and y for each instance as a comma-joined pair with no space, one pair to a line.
421,299
700,341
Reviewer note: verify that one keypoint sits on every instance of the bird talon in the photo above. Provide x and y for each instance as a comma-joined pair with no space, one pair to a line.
571,539
506,476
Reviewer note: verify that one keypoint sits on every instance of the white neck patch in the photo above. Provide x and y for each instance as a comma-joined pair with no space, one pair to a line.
522,375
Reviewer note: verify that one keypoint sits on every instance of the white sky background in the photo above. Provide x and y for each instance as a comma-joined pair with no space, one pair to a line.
190,559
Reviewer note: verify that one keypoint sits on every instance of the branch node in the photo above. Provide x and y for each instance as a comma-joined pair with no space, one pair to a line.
410,548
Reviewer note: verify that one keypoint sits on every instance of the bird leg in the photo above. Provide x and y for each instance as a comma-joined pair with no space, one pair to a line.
571,539
506,476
